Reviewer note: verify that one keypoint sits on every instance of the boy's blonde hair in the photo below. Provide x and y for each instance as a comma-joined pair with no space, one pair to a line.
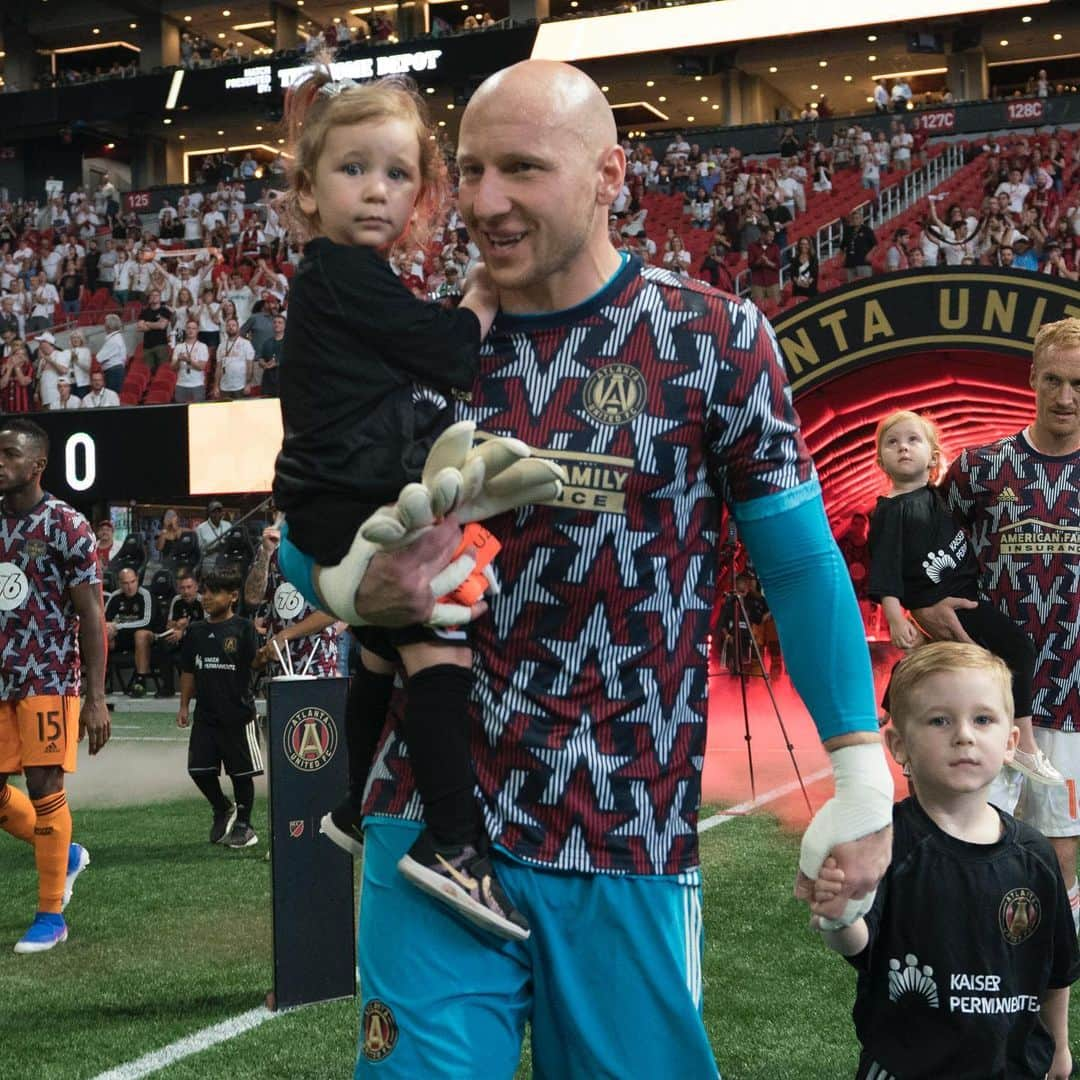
310,113
1063,334
938,657
933,437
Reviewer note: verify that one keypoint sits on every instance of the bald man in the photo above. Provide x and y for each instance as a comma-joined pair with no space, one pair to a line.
663,399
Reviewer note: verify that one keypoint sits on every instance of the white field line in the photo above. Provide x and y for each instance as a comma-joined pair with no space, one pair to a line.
147,738
237,1025
190,1044
761,800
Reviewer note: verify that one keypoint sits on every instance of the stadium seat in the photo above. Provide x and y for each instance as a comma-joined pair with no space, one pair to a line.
131,556
164,379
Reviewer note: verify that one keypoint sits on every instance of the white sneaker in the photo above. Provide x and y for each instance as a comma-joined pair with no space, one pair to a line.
1036,767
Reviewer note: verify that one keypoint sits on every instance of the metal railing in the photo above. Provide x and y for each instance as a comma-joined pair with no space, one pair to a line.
891,202
916,185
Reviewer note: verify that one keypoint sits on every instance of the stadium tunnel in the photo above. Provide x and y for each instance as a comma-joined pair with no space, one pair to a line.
974,397
957,349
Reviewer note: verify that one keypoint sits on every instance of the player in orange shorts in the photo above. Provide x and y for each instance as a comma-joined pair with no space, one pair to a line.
51,617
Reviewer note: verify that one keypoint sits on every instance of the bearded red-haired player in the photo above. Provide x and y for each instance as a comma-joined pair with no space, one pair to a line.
50,613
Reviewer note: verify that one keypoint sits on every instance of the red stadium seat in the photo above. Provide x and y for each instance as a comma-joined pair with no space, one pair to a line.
165,380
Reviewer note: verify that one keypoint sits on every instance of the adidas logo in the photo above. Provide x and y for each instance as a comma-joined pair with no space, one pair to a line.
1006,494
911,979
52,748
936,564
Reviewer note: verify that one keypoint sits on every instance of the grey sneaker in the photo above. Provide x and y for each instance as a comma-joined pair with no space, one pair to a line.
464,879
223,822
241,835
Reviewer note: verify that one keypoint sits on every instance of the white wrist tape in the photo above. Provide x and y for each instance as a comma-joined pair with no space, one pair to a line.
862,804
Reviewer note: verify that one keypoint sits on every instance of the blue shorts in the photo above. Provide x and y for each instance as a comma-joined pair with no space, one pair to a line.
297,568
610,978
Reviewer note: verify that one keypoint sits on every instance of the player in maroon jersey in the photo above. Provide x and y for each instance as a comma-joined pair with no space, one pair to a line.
1020,498
51,620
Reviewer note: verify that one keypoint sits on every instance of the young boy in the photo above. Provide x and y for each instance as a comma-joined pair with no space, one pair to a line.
966,957
216,661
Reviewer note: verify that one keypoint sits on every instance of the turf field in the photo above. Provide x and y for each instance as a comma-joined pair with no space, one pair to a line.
170,936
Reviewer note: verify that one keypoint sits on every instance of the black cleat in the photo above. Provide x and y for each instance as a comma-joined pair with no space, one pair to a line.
343,825
223,822
241,835
464,879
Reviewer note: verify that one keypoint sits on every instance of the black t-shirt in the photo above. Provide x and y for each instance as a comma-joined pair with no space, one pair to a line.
130,612
70,287
185,609
153,338
357,427
964,940
779,215
272,350
219,655
857,244
918,553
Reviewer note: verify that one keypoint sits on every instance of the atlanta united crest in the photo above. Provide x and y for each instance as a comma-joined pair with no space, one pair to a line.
310,739
380,1030
1019,915
614,394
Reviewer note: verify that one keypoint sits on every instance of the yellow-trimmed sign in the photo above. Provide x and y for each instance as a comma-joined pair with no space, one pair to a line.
913,311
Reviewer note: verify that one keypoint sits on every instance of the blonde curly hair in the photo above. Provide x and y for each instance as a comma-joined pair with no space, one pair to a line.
310,115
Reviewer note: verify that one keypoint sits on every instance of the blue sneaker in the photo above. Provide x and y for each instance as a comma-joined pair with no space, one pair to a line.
45,931
78,861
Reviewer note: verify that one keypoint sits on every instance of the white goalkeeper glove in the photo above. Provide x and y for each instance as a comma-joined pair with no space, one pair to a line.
473,483
862,804
337,585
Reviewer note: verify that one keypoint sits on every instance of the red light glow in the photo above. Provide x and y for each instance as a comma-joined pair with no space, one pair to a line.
973,397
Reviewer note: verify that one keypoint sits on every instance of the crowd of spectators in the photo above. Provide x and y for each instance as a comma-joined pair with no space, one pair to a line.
199,290
202,291
1026,218
750,206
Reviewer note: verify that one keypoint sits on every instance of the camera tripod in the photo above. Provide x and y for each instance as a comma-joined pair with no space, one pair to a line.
740,625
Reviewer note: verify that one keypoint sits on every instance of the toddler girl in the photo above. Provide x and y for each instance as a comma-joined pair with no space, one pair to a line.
919,555
366,373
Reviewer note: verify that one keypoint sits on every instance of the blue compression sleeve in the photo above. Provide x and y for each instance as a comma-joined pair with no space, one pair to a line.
810,595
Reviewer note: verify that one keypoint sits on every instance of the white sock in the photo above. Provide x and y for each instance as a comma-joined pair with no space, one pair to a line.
1074,903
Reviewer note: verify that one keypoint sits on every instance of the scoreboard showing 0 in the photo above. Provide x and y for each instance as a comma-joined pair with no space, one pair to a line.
101,454
80,461
161,452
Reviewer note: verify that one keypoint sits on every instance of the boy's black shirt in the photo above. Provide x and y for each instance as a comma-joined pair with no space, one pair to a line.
219,655
957,928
